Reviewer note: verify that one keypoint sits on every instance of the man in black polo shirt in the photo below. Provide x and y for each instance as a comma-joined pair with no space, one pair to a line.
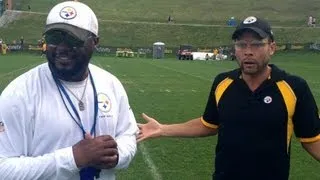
254,109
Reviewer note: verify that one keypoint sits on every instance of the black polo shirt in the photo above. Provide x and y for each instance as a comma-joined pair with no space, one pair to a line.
255,128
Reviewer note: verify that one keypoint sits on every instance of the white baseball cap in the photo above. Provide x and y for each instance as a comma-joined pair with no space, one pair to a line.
73,17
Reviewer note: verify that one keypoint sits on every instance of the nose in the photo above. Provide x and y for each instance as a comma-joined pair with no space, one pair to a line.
63,48
248,51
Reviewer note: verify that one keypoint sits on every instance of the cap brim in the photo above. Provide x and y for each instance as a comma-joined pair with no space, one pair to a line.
258,31
78,33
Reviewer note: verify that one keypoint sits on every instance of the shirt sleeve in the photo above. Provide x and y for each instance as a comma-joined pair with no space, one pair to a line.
126,130
306,118
210,117
16,161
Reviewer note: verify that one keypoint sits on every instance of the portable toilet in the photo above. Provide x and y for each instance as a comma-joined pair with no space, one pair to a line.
158,50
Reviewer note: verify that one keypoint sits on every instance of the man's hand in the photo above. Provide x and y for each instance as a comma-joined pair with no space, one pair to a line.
100,152
151,129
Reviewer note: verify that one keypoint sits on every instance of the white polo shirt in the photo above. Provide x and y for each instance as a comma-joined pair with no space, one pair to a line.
37,132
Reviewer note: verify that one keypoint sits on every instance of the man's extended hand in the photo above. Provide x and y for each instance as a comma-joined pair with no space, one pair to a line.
151,129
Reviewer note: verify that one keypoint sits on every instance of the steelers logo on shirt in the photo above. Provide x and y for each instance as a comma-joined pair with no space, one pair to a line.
267,100
104,102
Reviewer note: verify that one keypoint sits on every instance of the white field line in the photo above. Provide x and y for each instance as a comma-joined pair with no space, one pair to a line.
156,175
145,154
181,72
146,157
18,70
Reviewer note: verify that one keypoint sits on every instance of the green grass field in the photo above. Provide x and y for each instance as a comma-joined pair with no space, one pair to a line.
287,12
123,34
175,91
140,23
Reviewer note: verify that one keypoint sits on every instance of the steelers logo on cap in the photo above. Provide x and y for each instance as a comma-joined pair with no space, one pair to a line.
68,13
250,20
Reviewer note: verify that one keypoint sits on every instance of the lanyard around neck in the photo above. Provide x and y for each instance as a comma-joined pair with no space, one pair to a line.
63,91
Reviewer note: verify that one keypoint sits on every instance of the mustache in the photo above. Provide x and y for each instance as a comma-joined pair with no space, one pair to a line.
249,60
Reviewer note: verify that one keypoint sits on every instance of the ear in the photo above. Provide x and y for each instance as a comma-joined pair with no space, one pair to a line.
273,48
96,40
90,43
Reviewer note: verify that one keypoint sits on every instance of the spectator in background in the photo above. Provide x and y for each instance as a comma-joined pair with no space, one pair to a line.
309,22
215,53
21,42
1,45
4,48
232,22
232,54
170,19
313,22
207,57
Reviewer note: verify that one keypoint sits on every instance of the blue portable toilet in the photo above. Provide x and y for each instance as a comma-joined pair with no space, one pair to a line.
158,50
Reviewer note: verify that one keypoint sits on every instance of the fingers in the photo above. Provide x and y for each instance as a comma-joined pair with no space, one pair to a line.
105,138
108,162
88,136
109,152
110,144
109,159
104,141
146,117
141,128
107,141
140,138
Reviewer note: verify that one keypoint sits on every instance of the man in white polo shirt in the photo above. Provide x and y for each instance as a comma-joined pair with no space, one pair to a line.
66,119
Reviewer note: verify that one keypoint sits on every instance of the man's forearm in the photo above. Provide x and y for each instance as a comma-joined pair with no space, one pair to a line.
191,128
127,147
313,149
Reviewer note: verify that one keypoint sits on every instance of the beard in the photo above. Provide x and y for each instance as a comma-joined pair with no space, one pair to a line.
254,67
75,71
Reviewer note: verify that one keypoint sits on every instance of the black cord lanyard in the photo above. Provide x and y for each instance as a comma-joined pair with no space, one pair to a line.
63,91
